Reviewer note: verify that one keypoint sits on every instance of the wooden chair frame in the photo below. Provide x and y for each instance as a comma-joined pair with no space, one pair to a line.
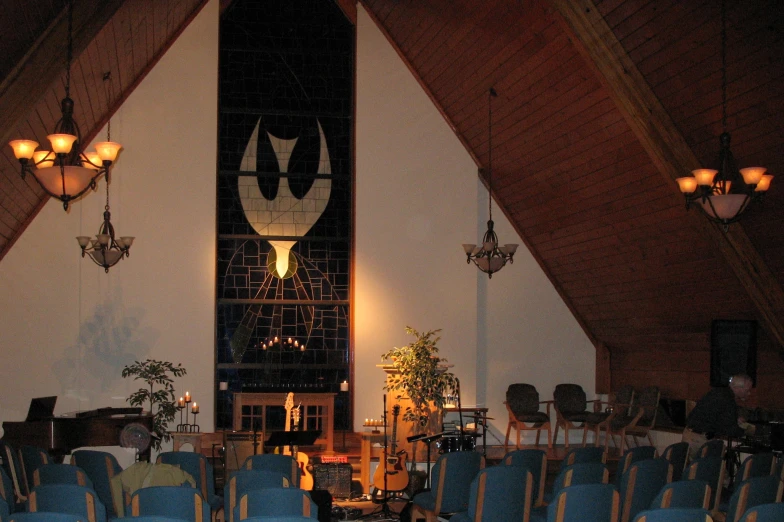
520,425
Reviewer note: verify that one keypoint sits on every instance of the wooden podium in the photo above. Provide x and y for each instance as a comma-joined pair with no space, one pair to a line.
408,429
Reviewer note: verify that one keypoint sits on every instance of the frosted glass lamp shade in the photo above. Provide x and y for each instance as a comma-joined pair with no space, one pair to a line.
752,175
511,248
91,161
84,241
726,206
704,176
108,150
469,248
43,159
76,179
61,143
764,183
687,184
23,149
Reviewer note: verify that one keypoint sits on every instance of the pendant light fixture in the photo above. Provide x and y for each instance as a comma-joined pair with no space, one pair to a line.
489,257
65,172
724,193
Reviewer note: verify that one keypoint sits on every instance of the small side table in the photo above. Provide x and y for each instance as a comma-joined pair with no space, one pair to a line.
366,454
194,439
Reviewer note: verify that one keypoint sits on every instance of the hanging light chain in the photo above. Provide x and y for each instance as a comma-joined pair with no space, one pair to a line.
724,66
69,55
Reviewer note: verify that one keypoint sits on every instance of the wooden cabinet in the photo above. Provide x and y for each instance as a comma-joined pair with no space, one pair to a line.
252,412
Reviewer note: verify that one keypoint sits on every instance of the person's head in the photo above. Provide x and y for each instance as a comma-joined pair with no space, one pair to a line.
741,386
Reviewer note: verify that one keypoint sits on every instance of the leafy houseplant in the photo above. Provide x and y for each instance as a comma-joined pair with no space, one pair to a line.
420,375
162,404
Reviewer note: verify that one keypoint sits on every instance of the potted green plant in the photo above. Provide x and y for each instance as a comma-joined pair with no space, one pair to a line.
162,405
421,375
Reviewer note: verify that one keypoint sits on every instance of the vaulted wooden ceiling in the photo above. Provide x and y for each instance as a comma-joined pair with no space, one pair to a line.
601,105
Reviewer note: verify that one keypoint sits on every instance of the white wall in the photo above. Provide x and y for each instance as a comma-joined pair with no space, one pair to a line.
418,199
68,328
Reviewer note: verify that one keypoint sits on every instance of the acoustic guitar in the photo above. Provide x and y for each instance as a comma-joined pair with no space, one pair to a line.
305,476
394,463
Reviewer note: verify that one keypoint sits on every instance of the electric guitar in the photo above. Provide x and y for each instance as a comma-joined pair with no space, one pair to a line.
393,464
305,476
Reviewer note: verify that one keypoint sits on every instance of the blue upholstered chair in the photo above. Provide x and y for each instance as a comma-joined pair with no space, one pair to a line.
67,498
44,516
275,502
534,461
170,501
499,493
753,492
764,513
683,494
13,468
640,484
5,509
677,454
633,455
101,467
580,455
675,515
574,475
61,474
285,464
712,448
153,518
246,480
585,503
278,519
711,470
757,465
451,484
200,469
32,458
7,490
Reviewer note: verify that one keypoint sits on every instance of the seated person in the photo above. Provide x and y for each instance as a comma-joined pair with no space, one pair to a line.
717,415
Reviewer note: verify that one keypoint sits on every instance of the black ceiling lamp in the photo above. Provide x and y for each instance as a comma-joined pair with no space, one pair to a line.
489,257
724,193
65,172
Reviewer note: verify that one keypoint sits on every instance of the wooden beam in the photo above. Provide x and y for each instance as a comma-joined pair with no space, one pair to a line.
44,63
669,151
349,8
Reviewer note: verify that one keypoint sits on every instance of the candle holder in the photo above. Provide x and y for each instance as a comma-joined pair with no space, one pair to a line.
188,400
181,427
194,428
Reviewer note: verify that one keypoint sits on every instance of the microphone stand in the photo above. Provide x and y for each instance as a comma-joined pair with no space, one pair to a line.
461,435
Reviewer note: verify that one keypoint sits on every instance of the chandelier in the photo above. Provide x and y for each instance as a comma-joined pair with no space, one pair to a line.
489,257
724,193
65,172
105,249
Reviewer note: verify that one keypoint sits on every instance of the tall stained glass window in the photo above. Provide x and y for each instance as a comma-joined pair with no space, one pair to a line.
284,200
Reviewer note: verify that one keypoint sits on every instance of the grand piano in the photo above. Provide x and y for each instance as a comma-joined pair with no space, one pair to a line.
61,435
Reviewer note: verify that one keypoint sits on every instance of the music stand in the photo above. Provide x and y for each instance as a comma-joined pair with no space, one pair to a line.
293,438
427,440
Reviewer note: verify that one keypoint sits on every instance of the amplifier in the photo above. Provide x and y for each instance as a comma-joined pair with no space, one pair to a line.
335,478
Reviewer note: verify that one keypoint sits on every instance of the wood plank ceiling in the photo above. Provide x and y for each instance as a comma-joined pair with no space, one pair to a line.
586,179
122,37
585,147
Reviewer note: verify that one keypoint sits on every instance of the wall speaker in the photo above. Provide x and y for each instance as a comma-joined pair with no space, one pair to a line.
733,351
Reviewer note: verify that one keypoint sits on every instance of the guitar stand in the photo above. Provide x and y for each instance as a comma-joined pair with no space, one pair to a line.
384,512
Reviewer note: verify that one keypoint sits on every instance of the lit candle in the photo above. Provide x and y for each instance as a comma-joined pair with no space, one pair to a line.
187,396
344,386
289,340
181,402
302,348
276,338
195,408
